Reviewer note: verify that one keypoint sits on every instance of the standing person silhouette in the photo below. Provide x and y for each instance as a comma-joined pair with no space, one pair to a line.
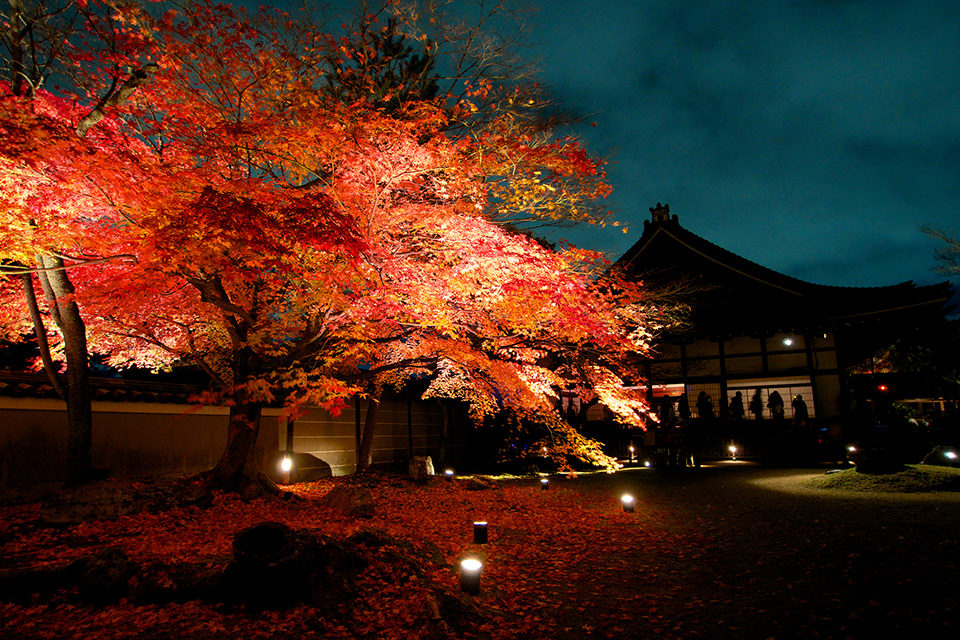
775,404
756,405
683,407
736,407
800,413
704,406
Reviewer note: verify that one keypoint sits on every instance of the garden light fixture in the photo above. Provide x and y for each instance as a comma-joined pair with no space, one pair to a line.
480,533
544,484
628,502
448,474
286,466
470,575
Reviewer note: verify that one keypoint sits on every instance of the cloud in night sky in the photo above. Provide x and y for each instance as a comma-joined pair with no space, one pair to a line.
811,137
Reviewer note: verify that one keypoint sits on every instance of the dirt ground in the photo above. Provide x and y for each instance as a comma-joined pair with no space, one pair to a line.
729,551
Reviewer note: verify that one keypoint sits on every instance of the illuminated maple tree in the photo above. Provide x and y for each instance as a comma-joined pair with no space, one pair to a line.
236,214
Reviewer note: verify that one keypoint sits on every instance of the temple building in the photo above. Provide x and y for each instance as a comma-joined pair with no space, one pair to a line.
753,329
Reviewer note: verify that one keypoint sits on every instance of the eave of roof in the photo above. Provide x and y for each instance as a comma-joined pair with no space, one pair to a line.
847,302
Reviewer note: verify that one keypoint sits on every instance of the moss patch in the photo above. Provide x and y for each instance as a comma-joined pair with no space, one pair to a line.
914,479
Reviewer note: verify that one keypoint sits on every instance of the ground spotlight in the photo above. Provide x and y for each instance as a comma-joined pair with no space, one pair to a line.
470,569
480,533
544,483
628,502
286,466
733,451
448,474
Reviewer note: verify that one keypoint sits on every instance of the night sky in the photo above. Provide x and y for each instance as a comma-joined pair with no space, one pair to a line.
811,137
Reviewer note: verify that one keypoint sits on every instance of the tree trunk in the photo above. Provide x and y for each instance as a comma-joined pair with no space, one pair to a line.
40,332
365,455
59,292
444,423
238,468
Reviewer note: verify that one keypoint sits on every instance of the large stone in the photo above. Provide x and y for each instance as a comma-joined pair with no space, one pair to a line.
267,567
943,457
420,468
102,577
878,461
353,502
479,483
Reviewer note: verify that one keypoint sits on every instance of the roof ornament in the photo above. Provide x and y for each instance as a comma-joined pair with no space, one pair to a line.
661,212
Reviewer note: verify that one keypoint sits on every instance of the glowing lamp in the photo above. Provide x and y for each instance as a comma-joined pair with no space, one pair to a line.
544,484
851,449
628,502
286,465
787,341
952,455
480,533
646,463
470,569
448,474
882,387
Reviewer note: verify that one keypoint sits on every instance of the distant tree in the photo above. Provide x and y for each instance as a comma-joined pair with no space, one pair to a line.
948,254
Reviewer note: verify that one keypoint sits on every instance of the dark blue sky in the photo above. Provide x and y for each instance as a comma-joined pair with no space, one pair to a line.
811,137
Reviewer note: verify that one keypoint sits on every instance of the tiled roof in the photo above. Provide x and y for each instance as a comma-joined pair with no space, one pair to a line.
741,293
37,385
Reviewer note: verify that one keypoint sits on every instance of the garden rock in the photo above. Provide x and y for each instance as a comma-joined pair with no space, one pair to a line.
268,568
939,456
421,468
879,461
479,483
102,577
353,502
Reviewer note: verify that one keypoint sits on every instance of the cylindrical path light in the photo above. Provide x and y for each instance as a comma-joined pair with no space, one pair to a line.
628,502
470,569
480,532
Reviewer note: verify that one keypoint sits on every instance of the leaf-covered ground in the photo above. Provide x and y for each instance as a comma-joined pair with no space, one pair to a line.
717,553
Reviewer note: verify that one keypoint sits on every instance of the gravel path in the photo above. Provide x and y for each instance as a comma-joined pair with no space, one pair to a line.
753,554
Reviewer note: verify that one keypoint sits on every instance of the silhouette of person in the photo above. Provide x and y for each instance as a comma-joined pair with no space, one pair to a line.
775,404
668,416
756,405
704,406
683,407
800,414
736,407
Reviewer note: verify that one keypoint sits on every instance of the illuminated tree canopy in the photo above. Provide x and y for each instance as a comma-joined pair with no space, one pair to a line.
299,244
